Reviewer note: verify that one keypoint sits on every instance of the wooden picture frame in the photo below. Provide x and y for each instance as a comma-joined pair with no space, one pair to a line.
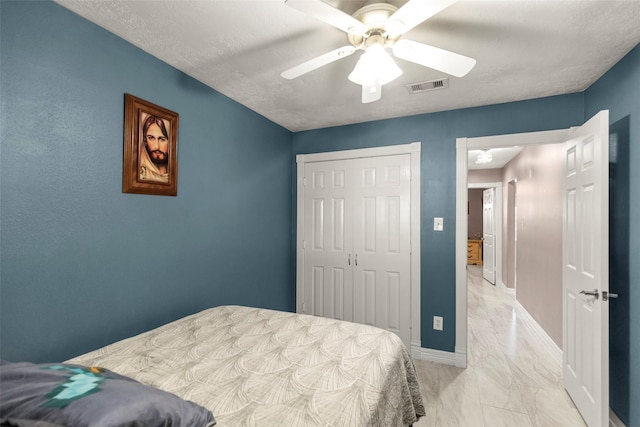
150,160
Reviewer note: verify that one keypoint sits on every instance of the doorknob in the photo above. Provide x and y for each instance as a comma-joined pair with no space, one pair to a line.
606,296
593,293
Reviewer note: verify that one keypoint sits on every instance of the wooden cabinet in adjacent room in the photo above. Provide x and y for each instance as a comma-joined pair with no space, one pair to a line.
474,252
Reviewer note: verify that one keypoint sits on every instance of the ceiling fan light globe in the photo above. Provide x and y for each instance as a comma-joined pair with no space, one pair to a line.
375,65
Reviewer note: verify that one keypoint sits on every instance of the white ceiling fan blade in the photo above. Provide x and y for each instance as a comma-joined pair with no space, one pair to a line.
318,62
413,13
371,93
329,14
432,57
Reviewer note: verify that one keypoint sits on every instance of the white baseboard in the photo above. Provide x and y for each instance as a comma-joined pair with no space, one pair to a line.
529,321
614,421
458,358
508,291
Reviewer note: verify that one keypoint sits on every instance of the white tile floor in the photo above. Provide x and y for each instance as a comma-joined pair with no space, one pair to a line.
511,379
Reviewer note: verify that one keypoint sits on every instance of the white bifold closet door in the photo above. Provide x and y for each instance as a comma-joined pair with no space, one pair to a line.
357,241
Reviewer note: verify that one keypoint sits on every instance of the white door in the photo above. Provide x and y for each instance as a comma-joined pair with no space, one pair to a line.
327,245
357,241
488,237
382,243
586,270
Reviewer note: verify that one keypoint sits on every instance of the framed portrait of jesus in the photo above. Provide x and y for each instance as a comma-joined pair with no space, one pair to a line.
150,161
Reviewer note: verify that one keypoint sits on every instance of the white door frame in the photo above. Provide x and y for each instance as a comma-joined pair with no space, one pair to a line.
462,147
413,149
512,202
497,225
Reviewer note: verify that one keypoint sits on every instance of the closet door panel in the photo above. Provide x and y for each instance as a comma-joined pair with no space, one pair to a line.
381,239
327,240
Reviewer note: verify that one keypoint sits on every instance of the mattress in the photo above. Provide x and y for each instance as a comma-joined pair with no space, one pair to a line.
258,367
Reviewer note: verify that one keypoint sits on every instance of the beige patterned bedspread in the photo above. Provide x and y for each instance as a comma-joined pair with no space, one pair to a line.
257,367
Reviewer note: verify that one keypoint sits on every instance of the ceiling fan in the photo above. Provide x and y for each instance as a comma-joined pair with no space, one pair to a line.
374,28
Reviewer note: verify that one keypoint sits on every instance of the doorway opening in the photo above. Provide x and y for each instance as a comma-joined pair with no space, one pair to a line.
487,231
463,146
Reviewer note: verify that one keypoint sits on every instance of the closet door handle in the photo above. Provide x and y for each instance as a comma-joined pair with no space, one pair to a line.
356,259
349,259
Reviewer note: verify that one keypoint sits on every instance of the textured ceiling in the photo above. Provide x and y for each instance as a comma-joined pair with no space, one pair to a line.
524,50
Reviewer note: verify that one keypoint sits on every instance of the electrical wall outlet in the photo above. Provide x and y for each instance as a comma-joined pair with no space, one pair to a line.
438,224
437,323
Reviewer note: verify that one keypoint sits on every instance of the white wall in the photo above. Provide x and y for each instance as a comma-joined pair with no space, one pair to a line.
538,170
479,176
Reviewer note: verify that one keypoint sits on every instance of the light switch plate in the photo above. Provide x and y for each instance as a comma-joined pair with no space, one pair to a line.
438,224
437,323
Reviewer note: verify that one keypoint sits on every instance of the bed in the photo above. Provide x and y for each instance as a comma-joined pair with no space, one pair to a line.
258,367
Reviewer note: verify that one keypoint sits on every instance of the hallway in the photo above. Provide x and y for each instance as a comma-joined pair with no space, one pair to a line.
512,379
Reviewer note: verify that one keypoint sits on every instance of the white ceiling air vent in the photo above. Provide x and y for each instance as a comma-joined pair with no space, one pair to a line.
429,85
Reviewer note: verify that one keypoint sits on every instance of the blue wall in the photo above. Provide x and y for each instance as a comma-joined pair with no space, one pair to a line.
619,92
438,133
84,264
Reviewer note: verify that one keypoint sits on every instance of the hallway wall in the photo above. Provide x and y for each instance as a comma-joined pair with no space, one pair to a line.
538,170
482,176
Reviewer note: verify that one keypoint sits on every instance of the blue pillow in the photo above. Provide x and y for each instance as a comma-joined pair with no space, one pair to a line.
79,396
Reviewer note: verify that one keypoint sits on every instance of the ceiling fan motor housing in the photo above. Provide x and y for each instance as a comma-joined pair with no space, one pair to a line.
375,17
